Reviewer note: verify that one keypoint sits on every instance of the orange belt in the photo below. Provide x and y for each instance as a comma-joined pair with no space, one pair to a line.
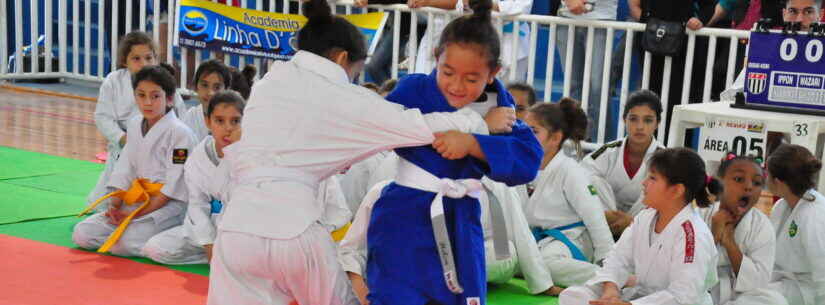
140,191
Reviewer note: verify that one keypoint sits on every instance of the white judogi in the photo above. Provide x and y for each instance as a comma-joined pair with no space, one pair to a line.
514,8
356,181
304,122
148,156
115,108
610,177
206,179
525,258
799,273
676,266
755,237
195,119
564,196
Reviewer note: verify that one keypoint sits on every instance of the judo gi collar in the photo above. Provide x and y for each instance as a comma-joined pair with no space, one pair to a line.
504,97
321,66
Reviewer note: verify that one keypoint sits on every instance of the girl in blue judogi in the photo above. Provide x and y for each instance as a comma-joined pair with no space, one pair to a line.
425,241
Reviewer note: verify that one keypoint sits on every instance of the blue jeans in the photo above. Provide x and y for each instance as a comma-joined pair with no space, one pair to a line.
577,73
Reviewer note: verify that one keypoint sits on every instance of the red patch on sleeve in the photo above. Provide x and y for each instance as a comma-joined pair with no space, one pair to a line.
690,241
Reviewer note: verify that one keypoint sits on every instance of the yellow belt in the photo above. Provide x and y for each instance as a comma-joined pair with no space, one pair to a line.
140,191
339,234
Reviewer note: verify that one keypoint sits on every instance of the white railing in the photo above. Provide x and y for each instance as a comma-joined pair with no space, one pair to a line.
84,46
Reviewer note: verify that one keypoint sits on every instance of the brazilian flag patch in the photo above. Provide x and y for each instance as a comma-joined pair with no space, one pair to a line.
793,229
592,190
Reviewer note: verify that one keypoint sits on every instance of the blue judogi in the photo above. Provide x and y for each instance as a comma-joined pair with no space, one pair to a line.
403,265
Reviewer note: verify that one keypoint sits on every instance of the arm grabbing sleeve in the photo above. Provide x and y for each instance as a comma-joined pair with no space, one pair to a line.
513,158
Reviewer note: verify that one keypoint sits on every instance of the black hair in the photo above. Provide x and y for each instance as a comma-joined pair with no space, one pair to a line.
477,29
129,41
388,86
225,97
162,75
213,66
795,166
242,80
731,158
644,97
524,87
683,166
325,33
566,116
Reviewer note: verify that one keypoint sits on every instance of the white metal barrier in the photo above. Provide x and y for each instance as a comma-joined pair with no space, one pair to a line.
84,46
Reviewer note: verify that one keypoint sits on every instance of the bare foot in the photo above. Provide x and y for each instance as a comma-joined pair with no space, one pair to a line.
553,291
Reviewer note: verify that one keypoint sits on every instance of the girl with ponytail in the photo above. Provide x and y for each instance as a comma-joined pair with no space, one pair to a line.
667,255
799,273
425,242
564,212
304,121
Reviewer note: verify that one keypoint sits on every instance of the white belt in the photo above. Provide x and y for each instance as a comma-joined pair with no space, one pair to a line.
272,174
412,176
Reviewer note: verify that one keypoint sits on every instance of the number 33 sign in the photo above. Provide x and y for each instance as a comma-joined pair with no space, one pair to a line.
742,137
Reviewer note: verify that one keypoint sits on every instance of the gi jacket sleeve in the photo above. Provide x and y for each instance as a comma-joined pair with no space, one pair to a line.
125,170
619,263
198,224
352,251
105,117
590,210
688,274
758,255
812,233
512,158
174,184
336,212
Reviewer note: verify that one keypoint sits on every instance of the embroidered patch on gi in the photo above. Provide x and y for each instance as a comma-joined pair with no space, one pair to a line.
474,301
592,190
793,229
690,242
179,155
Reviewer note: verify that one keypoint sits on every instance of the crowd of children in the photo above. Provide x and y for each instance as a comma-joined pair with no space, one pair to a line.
436,185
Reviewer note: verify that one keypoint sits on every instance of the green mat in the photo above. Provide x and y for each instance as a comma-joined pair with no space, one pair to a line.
38,186
58,232
16,163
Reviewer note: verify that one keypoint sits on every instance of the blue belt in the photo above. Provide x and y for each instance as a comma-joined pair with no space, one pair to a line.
217,206
556,233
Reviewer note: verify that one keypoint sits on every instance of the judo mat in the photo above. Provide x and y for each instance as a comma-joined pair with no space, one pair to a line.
41,265
38,186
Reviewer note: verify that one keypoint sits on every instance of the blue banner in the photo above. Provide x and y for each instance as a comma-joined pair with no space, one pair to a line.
208,25
786,71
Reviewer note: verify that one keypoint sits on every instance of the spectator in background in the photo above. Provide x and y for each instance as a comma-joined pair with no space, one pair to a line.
379,66
590,10
525,97
685,11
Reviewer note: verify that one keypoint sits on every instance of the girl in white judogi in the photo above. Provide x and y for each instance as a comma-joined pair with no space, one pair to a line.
564,211
153,159
799,273
116,101
304,122
424,60
744,236
667,255
619,167
191,242
210,77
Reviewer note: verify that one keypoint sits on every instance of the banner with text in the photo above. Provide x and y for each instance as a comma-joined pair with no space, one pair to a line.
720,136
208,25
